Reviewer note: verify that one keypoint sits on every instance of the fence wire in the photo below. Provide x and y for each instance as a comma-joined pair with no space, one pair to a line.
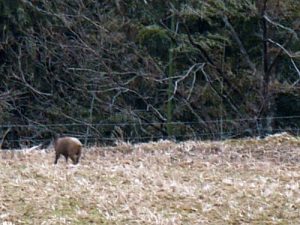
104,133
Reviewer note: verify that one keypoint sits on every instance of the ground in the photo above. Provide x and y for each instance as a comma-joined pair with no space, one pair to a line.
248,181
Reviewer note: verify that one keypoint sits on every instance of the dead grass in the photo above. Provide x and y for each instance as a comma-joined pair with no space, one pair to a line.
232,182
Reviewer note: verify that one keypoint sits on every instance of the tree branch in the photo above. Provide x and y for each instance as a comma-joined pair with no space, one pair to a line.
239,43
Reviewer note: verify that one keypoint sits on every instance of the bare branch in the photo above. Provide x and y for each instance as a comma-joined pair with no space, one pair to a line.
280,26
198,65
291,55
222,96
3,136
192,88
23,79
297,70
240,44
278,54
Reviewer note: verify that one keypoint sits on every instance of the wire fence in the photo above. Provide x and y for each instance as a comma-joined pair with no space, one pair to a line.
107,133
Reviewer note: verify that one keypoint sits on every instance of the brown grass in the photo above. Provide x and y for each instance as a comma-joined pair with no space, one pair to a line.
232,182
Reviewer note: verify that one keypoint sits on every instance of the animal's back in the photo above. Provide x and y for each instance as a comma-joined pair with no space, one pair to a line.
65,142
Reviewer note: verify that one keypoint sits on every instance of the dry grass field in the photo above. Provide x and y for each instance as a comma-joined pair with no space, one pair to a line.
245,181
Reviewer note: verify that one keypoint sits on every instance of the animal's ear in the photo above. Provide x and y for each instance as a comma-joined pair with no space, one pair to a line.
55,137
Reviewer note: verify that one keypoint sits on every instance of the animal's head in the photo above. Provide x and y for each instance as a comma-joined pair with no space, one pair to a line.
77,154
76,159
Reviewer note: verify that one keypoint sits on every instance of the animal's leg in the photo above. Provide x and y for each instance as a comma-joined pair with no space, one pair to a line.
56,158
66,156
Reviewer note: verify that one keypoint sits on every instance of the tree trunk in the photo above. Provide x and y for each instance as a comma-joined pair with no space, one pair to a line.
266,112
170,84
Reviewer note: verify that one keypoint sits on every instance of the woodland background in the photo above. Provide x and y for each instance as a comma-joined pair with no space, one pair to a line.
141,70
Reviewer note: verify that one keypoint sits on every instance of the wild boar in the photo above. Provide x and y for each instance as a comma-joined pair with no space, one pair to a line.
68,147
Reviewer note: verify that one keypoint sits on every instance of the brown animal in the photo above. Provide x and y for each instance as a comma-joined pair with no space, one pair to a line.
68,147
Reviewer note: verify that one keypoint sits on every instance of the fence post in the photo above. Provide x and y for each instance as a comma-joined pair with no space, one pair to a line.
90,118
